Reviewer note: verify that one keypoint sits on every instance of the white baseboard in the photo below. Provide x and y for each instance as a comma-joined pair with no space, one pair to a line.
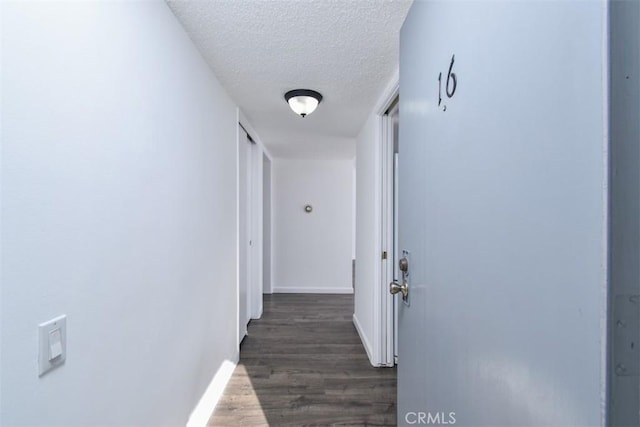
365,342
207,404
317,290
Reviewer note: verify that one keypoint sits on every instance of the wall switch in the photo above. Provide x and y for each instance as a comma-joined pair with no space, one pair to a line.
55,344
52,348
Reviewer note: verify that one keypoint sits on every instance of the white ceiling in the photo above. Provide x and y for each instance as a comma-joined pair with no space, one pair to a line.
259,49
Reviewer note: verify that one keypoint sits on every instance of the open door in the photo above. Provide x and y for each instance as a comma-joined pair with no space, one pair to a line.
389,220
502,214
245,221
250,230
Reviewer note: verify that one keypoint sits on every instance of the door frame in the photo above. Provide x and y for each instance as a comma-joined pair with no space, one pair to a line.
243,221
256,226
384,316
267,285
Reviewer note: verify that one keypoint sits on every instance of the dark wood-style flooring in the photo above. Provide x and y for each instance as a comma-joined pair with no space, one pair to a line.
303,363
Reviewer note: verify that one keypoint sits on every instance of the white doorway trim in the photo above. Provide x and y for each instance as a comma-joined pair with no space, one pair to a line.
263,152
267,285
256,231
384,315
244,256
389,232
252,247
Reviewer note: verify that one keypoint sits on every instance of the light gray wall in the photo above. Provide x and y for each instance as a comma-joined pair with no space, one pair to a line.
624,212
118,209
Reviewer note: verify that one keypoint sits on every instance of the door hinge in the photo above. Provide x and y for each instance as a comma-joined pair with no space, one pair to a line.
384,254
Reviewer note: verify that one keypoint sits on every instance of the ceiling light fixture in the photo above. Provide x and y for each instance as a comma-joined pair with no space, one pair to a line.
303,101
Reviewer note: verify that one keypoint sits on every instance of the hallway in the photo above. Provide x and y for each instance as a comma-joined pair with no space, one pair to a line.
307,193
302,363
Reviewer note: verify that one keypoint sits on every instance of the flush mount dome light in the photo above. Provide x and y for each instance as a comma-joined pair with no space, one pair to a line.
303,101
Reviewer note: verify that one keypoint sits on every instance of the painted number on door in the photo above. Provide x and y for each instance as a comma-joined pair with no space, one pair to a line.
450,85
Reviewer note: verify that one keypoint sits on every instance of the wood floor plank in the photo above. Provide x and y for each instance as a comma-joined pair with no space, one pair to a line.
302,364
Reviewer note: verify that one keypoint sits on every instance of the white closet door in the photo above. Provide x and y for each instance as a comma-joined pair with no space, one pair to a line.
244,224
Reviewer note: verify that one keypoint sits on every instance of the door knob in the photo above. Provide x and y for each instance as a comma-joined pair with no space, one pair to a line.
395,287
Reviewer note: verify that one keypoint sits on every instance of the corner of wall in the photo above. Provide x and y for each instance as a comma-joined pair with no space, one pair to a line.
365,342
244,121
389,93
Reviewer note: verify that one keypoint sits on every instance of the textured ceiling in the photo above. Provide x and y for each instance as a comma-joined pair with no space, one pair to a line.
259,49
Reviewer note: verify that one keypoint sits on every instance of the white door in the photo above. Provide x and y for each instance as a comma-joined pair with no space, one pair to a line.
502,211
244,232
266,226
256,231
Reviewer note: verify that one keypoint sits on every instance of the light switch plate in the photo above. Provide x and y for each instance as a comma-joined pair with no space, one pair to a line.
52,341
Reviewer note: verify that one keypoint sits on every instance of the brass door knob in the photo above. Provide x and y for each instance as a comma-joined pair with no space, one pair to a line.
395,287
